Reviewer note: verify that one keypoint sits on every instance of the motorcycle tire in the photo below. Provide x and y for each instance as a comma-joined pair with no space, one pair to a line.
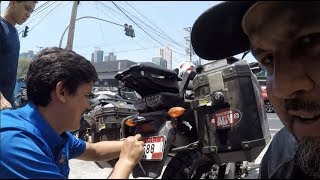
180,165
201,169
192,165
204,168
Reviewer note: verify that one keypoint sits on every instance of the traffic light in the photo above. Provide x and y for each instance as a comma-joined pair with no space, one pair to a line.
126,29
25,32
129,31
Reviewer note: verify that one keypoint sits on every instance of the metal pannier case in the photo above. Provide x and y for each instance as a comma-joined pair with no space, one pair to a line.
229,111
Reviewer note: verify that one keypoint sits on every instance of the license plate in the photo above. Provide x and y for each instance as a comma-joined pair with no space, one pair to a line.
153,148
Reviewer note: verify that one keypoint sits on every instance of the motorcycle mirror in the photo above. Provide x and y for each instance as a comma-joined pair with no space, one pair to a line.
176,112
176,70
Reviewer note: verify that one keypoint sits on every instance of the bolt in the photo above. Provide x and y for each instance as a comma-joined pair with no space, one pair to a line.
217,96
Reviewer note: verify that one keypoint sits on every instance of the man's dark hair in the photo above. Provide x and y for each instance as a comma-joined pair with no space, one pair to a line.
52,65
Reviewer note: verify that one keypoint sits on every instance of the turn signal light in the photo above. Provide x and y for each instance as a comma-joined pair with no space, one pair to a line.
176,112
130,123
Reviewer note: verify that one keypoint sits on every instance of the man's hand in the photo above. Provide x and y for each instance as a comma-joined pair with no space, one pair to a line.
132,150
130,155
4,104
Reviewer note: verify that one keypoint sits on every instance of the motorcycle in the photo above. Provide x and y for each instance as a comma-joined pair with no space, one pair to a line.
102,122
21,98
213,133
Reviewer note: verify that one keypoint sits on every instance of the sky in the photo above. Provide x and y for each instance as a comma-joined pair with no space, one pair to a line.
156,24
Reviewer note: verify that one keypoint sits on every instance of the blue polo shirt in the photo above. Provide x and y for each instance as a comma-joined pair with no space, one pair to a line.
30,148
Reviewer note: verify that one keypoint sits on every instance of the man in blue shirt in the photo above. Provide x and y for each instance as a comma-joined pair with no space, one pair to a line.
16,13
35,139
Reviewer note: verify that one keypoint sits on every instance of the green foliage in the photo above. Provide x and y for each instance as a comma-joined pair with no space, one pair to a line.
23,67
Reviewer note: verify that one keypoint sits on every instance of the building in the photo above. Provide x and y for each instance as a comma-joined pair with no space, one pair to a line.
159,61
28,55
98,55
106,71
262,76
110,57
166,53
92,57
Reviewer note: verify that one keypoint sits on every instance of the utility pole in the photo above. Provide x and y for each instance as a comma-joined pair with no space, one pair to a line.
188,39
72,24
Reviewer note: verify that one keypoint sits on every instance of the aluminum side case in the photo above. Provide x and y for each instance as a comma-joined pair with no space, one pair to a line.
231,119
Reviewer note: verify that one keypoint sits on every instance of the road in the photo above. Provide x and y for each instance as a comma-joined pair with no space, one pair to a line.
274,126
89,170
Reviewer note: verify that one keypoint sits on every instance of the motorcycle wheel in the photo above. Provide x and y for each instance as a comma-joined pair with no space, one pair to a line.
193,165
180,165
203,168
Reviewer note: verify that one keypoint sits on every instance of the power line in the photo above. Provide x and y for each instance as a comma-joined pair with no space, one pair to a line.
135,49
180,54
36,14
42,19
137,24
100,23
115,15
156,32
162,32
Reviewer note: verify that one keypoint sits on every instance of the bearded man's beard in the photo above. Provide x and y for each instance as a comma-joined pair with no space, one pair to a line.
308,156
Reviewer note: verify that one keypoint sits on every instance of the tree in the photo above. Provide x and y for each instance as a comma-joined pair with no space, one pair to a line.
23,66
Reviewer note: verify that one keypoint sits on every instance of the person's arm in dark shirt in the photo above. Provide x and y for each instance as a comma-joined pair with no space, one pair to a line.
4,103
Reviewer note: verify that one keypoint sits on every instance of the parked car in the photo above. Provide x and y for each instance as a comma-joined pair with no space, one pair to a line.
267,104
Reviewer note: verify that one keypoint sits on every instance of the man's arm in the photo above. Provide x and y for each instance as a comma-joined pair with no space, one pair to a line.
101,151
4,104
131,154
129,151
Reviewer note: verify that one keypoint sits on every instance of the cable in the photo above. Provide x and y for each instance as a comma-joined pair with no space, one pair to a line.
46,15
127,18
110,10
115,15
162,32
100,23
35,15
135,49
154,31
5,7
184,55
137,24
